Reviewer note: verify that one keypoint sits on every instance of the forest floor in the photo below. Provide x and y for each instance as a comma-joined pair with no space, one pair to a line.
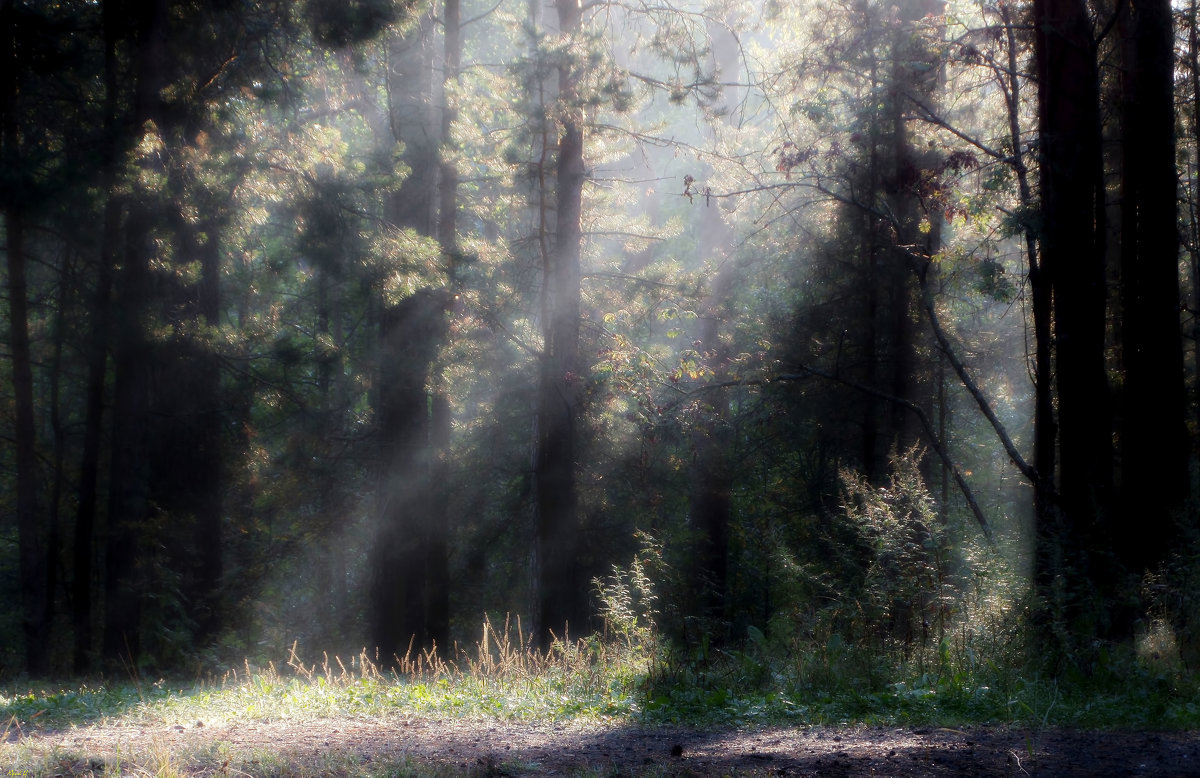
375,746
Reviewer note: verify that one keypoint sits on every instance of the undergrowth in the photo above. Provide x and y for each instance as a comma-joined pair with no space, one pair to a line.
630,678
930,630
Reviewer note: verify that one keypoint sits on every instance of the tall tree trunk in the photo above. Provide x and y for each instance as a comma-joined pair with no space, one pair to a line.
331,589
133,423
1045,424
187,483
31,543
29,530
710,501
89,468
437,578
560,580
437,547
1073,259
1193,64
55,569
129,477
411,333
97,354
409,578
1153,438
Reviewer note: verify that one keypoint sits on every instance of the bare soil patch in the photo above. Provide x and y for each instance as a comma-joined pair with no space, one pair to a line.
511,748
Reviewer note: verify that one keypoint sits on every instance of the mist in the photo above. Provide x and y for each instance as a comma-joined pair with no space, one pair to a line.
353,326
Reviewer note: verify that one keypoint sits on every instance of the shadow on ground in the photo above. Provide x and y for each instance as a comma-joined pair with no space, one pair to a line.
499,748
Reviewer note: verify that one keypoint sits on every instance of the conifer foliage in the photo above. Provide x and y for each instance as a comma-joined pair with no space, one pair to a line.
352,323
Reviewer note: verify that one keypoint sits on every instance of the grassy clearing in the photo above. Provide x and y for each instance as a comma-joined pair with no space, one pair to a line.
621,680
502,677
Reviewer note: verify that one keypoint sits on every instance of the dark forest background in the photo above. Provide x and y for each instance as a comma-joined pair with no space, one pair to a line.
352,323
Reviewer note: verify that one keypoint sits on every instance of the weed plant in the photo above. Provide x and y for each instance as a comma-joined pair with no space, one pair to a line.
926,625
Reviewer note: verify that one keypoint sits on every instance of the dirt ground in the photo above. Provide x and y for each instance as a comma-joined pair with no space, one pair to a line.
514,749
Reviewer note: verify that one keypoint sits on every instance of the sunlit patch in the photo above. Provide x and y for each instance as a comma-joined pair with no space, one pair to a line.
1158,646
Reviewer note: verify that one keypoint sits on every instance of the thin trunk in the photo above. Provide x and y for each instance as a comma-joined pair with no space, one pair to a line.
89,468
200,480
1194,207
1045,423
874,463
437,556
54,566
943,413
437,578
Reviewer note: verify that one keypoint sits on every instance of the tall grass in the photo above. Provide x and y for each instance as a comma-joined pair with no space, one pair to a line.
630,677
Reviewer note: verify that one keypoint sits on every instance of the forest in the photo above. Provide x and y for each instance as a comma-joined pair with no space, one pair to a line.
841,325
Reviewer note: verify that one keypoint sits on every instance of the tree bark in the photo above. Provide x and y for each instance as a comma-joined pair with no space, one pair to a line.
406,535
187,471
1073,259
129,479
89,467
29,530
560,580
134,424
1153,438
30,539
97,359
410,577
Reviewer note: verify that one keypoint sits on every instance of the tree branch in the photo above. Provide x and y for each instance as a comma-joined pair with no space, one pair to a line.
976,393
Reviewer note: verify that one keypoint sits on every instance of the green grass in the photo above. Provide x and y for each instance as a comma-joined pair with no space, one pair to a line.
503,679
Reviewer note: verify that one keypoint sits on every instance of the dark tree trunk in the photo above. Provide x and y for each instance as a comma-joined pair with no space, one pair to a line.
1153,438
133,422
437,552
560,580
1045,424
30,540
331,589
129,478
97,359
29,530
710,502
186,476
1193,66
411,333
55,569
874,455
710,499
89,468
437,582
1073,260
409,594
